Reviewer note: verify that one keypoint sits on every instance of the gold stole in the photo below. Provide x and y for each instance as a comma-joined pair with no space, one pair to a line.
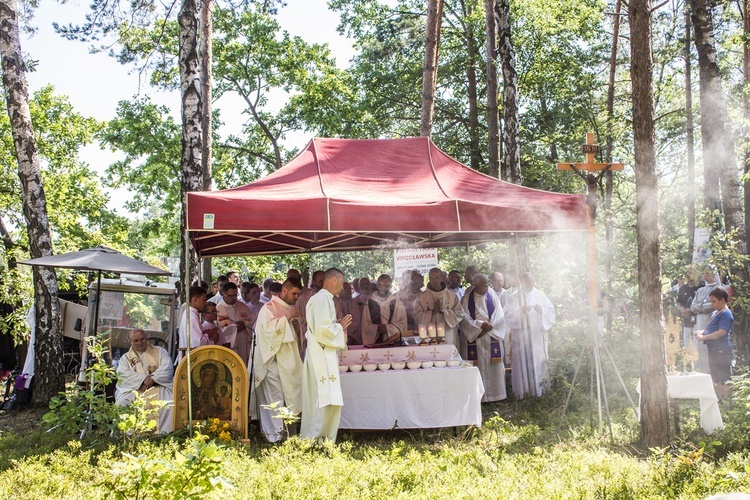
151,359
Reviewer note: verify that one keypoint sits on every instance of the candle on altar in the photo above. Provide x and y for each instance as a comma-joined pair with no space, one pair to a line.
422,331
441,329
431,330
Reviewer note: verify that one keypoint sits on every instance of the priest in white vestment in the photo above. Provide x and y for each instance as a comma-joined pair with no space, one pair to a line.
321,388
236,320
277,363
483,324
146,369
197,300
437,304
530,315
384,318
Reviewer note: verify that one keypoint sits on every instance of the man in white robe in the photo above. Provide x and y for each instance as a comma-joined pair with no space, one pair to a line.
146,369
454,283
530,315
236,320
277,363
701,307
221,281
384,318
483,324
321,388
210,326
251,297
197,299
437,304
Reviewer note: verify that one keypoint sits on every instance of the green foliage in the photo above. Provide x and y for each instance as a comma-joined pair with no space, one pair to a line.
194,471
87,408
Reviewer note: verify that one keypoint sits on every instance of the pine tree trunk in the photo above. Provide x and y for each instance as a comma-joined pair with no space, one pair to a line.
49,378
429,75
654,400
511,162
717,151
689,139
206,51
471,89
718,156
493,113
192,118
746,112
608,182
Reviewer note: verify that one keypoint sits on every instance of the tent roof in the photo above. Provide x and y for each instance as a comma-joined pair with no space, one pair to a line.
351,194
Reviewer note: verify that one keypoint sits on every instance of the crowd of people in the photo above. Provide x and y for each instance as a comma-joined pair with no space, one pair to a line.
298,331
704,307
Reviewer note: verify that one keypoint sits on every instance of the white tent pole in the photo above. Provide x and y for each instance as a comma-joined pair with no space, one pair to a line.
187,330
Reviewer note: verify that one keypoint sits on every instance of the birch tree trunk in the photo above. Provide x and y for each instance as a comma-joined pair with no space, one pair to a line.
49,377
206,51
192,118
654,400
511,162
493,113
429,75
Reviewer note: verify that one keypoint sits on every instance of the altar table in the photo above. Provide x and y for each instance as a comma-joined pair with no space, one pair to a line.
410,399
696,386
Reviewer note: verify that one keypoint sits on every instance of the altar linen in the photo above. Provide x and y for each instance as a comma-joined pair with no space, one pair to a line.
321,388
277,364
133,370
482,307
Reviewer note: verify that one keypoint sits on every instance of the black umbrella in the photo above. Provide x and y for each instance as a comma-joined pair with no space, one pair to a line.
97,259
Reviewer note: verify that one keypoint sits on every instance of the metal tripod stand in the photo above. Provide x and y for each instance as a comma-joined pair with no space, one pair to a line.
594,346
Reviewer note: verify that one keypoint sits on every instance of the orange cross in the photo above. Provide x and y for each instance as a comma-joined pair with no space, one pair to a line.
590,149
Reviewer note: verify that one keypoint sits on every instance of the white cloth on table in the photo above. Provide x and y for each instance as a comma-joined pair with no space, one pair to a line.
321,387
277,365
529,342
133,369
395,324
696,386
449,313
412,399
491,370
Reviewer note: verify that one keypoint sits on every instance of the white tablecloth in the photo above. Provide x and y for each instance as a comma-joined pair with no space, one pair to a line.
355,356
412,399
696,386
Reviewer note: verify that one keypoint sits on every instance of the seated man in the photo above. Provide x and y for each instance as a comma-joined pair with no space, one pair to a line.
146,369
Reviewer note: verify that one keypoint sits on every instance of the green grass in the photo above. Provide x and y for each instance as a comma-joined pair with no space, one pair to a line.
516,454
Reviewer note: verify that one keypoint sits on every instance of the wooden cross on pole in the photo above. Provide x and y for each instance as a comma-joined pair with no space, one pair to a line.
584,171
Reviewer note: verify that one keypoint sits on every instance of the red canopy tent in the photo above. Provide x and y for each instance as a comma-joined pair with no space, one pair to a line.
350,194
